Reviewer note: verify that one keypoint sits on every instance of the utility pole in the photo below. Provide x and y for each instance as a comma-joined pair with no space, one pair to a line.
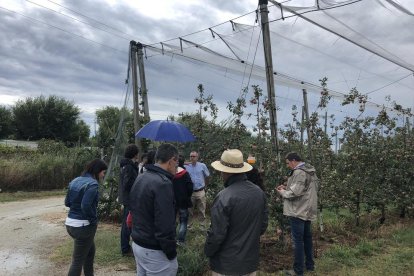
305,103
269,74
144,91
137,124
326,122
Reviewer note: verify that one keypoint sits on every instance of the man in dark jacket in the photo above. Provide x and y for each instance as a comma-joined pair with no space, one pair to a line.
183,189
153,215
129,172
254,175
239,217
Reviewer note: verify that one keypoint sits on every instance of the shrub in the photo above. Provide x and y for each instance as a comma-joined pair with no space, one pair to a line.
51,167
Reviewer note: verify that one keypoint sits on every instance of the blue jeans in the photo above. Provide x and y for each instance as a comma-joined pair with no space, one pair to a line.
302,244
83,251
125,232
182,231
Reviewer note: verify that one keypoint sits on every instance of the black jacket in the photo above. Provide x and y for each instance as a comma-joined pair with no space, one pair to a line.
239,216
183,189
128,174
255,177
153,211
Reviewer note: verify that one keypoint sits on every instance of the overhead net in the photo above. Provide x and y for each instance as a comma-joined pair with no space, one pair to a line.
345,41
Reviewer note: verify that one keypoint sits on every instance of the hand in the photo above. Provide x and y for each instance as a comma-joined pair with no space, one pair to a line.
278,232
171,255
281,187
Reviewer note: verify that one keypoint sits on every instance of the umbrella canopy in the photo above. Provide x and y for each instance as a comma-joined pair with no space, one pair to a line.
165,130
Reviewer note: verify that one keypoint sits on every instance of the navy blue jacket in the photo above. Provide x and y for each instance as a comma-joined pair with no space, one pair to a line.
82,198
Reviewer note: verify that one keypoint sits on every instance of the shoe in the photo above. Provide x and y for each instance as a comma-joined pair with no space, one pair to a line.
180,243
290,273
128,254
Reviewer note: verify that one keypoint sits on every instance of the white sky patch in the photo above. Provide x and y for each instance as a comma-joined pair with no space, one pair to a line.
163,9
299,3
9,99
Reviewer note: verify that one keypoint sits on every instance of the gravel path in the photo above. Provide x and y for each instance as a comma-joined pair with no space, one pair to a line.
29,231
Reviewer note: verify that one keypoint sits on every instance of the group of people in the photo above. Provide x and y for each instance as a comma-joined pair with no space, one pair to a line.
156,193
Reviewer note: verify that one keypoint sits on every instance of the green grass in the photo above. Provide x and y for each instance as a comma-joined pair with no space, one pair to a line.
336,221
107,249
392,254
191,258
386,256
18,196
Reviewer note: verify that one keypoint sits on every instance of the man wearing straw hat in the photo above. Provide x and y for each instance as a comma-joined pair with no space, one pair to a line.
238,218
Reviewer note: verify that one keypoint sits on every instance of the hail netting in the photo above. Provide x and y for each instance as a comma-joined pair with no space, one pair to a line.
363,50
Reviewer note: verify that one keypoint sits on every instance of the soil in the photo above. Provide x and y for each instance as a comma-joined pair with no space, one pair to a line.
29,232
277,254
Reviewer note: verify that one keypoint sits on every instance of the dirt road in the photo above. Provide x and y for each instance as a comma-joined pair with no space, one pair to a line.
29,232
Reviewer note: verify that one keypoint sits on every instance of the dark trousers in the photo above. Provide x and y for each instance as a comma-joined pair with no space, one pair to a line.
302,244
182,230
83,251
125,232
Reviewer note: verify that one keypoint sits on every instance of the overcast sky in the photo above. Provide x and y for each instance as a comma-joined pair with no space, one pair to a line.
78,49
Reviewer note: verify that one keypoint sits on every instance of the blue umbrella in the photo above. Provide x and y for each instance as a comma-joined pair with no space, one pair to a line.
165,130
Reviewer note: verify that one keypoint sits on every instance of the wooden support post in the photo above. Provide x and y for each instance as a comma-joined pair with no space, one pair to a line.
144,90
137,124
305,103
269,75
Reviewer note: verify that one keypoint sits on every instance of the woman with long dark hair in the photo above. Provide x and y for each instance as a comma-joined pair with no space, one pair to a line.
82,199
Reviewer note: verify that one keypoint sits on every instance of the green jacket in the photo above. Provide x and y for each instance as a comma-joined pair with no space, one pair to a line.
300,196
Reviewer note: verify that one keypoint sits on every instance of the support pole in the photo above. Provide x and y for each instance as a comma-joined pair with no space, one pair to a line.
305,104
137,124
336,141
269,75
144,91
302,128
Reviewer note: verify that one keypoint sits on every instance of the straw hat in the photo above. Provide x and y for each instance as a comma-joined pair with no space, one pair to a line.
231,162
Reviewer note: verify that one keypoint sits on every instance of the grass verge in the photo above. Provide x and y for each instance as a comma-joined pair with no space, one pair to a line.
390,255
191,258
18,196
107,249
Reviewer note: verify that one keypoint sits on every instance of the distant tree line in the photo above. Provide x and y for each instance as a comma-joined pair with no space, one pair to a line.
36,118
55,118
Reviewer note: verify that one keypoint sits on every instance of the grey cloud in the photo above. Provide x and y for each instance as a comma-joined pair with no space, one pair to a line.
37,59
